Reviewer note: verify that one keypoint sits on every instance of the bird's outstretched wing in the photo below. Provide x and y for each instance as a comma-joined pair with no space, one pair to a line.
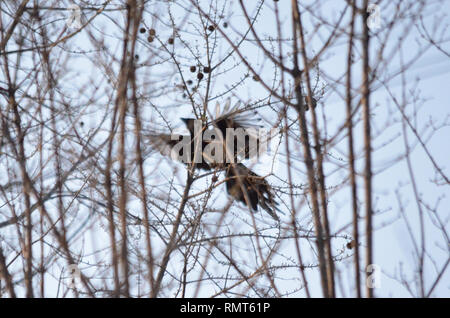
234,117
163,143
243,124
170,147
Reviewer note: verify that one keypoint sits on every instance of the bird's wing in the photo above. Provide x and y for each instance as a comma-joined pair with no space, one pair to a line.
163,143
235,117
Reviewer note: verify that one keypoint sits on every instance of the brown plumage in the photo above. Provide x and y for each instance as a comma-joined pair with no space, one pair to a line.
242,184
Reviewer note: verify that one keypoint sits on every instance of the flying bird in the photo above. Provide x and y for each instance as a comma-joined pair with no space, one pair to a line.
242,184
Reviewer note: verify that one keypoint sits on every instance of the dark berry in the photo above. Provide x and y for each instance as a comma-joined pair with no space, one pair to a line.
193,69
170,41
189,82
136,57
150,39
225,25
206,69
256,78
142,30
152,32
200,76
211,28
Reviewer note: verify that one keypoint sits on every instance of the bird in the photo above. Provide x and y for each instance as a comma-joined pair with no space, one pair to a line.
242,184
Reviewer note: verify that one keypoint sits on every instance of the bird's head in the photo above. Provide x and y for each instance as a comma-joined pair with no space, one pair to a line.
186,120
189,122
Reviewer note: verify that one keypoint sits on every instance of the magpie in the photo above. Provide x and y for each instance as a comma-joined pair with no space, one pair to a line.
242,184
